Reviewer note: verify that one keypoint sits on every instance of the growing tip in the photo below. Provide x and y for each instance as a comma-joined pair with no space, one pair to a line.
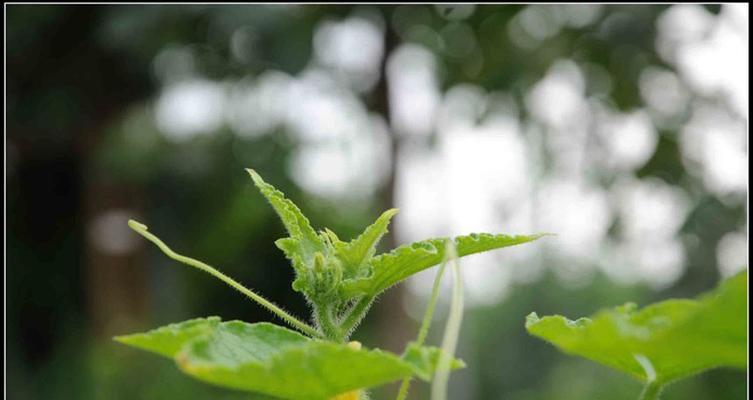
390,213
137,226
255,176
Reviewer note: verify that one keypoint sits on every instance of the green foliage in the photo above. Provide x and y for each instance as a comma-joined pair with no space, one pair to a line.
303,244
355,253
266,358
169,340
340,281
388,269
662,342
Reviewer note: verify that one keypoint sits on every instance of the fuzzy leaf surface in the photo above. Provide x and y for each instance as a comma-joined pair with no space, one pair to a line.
662,342
169,339
390,268
304,241
269,359
354,253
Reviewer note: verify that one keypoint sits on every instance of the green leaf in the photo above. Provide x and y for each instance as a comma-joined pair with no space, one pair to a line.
390,268
168,340
354,253
304,242
269,359
662,342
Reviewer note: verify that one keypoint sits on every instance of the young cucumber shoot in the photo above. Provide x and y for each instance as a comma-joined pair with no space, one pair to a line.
340,281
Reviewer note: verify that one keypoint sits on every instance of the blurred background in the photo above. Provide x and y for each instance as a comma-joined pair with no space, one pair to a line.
623,129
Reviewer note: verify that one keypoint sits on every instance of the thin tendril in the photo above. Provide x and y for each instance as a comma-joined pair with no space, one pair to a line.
294,322
425,323
452,329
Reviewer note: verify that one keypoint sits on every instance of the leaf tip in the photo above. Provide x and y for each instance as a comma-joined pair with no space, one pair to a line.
255,176
532,319
128,340
390,213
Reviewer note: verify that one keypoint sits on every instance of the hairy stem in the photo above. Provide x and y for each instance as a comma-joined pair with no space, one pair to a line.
452,329
326,322
294,322
402,394
356,314
425,325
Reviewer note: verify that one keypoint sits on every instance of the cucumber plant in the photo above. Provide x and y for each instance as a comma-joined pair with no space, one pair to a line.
663,342
340,280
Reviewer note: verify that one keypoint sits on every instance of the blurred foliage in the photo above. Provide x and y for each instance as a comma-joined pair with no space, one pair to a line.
651,343
81,86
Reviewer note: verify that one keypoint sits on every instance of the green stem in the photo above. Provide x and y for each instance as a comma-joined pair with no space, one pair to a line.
651,391
429,313
326,323
294,322
402,394
451,330
356,314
